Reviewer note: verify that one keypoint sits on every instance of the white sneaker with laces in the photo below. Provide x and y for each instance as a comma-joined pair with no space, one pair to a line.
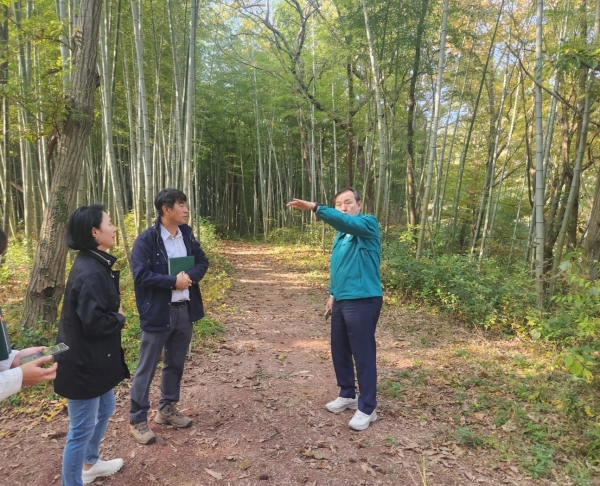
361,420
101,469
340,404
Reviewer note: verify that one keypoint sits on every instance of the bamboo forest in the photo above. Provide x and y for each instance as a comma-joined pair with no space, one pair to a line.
469,128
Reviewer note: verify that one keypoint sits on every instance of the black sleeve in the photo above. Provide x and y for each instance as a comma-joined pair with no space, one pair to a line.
93,304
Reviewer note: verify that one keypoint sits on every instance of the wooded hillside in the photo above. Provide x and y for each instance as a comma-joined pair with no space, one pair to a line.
470,126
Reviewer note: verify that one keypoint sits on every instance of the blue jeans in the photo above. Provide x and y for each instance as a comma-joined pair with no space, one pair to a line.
353,324
87,423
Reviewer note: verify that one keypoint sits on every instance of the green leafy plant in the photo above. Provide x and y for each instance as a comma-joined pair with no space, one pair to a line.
207,328
467,437
479,293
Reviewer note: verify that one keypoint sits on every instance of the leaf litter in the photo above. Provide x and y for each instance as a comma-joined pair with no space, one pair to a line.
275,352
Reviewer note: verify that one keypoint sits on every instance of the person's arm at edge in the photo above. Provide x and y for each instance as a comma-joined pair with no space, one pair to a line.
13,375
10,382
7,363
141,260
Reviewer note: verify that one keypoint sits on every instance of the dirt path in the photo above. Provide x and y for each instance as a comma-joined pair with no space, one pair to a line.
258,407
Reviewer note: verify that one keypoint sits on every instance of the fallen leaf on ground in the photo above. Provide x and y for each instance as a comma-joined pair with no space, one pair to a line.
367,469
214,474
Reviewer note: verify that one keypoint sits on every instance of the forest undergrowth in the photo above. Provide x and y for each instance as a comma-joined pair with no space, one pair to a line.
507,364
14,276
507,367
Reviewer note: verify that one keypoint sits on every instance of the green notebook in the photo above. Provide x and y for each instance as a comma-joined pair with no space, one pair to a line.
181,264
4,340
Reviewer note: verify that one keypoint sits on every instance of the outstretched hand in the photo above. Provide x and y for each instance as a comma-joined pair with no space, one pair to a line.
34,372
25,352
301,204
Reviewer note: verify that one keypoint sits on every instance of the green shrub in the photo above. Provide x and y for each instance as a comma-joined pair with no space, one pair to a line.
16,267
574,320
208,328
479,293
484,293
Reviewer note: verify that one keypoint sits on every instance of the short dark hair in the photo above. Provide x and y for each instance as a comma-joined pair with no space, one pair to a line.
168,197
80,224
3,242
348,189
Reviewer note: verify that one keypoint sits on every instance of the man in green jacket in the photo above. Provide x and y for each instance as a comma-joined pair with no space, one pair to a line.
354,302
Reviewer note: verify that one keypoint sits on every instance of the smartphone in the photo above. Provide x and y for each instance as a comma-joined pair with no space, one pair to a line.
327,314
51,350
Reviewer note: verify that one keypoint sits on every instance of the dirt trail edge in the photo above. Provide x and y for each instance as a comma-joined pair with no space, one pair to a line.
257,401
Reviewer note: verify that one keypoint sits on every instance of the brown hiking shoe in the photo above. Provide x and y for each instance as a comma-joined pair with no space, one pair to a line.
141,433
170,415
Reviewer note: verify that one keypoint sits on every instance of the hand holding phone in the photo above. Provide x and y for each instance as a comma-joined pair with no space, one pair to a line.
327,314
50,351
34,371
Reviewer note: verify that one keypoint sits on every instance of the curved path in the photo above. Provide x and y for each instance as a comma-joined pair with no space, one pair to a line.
257,399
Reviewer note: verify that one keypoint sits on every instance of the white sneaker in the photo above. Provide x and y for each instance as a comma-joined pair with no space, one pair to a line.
101,469
340,404
361,420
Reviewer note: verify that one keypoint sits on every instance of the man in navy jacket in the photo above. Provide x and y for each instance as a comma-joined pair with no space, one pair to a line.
168,305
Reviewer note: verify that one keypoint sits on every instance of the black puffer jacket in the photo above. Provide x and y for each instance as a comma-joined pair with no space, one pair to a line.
90,325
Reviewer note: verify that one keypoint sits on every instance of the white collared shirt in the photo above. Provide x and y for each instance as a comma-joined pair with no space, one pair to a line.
175,247
10,379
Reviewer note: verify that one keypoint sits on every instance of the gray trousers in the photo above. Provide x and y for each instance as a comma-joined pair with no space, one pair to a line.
175,342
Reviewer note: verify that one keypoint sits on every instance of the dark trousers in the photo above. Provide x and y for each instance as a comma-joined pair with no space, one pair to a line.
175,342
353,324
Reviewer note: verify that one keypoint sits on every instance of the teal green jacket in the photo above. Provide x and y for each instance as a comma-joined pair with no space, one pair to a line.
355,255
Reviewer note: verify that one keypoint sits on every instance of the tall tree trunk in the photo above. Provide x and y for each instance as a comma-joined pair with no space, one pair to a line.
335,159
463,158
189,108
380,181
179,111
581,148
490,183
451,148
434,130
501,177
539,161
262,183
437,200
410,129
349,130
145,150
108,81
48,273
65,52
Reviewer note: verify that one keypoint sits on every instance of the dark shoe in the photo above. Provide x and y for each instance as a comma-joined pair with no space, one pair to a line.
170,415
141,433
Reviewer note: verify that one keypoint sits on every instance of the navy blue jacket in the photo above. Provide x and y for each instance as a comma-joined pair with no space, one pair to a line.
152,282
